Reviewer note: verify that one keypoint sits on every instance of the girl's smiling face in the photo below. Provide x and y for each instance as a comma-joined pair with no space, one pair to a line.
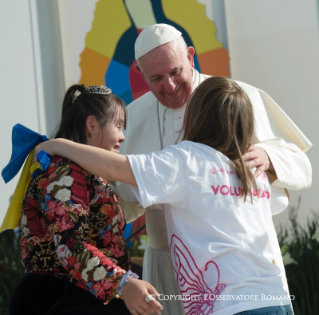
108,136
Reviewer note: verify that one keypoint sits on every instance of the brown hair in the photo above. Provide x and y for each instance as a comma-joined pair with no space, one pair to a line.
220,115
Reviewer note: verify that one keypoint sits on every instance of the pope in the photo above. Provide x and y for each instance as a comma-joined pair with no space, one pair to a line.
155,121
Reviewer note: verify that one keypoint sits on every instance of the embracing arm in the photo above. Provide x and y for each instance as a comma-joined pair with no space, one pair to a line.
97,161
288,169
282,143
293,168
132,210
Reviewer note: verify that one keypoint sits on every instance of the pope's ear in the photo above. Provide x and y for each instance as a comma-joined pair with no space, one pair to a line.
190,55
137,67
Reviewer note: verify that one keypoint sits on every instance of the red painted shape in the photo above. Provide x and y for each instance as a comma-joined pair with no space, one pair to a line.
138,85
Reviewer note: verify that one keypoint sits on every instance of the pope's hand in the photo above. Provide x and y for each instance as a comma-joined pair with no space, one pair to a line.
134,294
257,157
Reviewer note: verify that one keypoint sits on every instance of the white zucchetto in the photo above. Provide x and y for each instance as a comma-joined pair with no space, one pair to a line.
154,36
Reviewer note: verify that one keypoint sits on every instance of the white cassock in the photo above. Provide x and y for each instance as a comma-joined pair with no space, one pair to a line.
148,125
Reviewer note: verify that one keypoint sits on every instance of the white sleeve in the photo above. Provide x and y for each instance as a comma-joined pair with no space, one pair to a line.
293,168
279,200
160,177
283,141
131,210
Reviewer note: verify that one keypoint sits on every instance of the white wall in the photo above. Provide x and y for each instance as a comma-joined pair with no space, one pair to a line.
75,23
18,82
31,80
274,46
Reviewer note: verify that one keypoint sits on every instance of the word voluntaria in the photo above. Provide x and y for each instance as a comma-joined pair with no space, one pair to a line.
235,191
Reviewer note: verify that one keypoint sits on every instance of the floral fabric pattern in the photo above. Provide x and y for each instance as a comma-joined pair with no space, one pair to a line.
72,225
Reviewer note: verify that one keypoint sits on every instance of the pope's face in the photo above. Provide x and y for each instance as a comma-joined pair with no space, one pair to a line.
168,71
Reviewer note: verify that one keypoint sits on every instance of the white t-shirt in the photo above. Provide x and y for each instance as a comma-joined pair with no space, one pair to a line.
225,252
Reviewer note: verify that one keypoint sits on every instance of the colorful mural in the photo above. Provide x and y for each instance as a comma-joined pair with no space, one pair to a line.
108,57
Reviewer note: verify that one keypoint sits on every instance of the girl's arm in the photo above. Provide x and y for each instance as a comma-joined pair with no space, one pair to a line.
97,161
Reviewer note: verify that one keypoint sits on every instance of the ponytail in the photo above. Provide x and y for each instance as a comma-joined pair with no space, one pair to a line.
69,97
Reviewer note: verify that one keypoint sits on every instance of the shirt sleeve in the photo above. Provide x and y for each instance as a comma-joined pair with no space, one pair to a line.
279,197
160,177
283,141
67,202
279,200
293,168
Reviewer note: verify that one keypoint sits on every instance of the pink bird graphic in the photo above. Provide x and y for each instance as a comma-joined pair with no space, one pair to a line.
191,280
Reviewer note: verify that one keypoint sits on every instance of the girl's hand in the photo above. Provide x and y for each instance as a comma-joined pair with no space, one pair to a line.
47,146
134,294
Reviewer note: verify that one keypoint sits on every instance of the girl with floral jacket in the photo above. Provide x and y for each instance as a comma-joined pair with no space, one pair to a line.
72,224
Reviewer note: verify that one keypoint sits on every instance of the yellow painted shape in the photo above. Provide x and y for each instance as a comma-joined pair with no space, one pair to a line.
141,12
110,21
192,17
93,66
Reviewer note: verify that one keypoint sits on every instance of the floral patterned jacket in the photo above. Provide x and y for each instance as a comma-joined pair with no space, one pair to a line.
72,225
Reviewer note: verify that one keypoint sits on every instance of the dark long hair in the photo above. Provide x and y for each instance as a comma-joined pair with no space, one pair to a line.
104,108
220,115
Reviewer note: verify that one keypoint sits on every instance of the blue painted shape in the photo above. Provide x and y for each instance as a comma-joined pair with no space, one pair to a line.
127,232
124,51
127,97
118,80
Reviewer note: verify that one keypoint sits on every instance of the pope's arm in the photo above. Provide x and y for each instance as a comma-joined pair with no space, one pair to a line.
132,210
282,140
141,136
292,168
